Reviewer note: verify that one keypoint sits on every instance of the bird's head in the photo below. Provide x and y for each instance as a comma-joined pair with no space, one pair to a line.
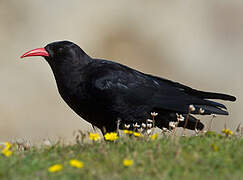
58,52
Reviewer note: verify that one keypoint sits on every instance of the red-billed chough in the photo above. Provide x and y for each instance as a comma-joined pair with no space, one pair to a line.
103,92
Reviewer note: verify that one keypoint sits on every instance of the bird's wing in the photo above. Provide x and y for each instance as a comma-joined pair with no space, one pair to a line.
115,84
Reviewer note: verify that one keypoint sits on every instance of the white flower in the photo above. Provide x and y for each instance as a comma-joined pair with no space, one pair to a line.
154,114
201,111
136,125
165,129
192,108
46,142
20,141
149,120
127,126
149,126
143,125
180,117
173,124
204,131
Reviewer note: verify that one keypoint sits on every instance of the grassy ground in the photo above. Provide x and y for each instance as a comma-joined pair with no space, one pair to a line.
208,156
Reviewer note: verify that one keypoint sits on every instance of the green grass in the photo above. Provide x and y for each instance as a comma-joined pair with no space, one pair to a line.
164,158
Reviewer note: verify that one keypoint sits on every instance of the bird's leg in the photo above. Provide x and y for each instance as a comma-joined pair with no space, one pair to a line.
201,111
103,130
187,117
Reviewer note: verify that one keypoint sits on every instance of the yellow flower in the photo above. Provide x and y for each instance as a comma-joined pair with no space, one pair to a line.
127,131
127,162
94,136
111,136
6,152
227,132
55,168
76,163
224,131
137,134
230,132
154,136
215,147
7,145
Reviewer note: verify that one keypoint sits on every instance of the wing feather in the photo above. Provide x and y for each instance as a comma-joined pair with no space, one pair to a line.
119,84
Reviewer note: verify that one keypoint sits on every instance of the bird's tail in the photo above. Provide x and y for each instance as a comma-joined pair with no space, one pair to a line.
211,95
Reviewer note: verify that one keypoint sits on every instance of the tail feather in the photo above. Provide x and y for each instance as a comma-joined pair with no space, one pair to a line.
209,110
212,103
211,95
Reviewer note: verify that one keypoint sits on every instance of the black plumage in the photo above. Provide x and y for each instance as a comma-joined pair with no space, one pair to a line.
102,91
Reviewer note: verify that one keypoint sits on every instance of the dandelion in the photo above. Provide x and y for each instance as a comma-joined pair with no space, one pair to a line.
76,163
128,131
127,162
227,132
94,136
137,134
215,147
6,152
7,145
154,136
111,136
55,168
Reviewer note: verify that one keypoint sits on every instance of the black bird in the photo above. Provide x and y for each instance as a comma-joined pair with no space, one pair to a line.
103,92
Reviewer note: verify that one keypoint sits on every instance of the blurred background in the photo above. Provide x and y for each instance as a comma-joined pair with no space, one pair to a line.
197,43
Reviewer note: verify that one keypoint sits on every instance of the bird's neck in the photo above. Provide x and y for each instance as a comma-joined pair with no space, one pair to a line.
68,74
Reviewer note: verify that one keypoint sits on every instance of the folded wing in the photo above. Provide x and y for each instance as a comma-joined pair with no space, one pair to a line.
120,84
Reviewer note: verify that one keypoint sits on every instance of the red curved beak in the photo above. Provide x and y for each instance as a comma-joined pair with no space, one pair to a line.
36,52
